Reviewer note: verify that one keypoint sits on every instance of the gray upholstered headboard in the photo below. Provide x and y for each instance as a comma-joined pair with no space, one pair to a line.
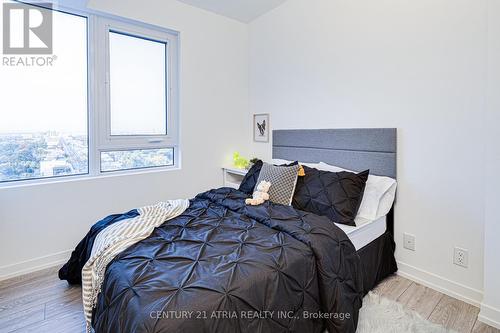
356,149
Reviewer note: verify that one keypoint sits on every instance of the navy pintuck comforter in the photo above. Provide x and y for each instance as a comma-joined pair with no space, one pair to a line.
223,266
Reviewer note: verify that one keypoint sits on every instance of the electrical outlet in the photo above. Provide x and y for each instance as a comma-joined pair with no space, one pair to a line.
461,257
409,241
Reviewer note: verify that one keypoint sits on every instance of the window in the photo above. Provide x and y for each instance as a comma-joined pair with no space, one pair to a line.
136,159
43,123
137,70
107,103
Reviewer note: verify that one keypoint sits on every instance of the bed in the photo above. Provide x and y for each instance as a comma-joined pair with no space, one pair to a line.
224,266
355,149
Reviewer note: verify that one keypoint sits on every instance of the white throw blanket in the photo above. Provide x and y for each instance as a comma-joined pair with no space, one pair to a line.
115,239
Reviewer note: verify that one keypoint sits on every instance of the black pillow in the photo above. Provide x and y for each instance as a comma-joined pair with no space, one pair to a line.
336,195
250,180
248,183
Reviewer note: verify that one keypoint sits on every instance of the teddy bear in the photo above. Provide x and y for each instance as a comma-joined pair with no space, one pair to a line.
260,194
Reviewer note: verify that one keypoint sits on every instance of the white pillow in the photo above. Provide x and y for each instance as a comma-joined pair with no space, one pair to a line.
279,161
378,196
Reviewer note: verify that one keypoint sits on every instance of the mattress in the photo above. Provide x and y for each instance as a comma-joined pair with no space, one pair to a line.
365,232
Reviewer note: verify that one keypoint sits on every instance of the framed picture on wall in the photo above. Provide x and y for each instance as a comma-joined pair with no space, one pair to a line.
261,127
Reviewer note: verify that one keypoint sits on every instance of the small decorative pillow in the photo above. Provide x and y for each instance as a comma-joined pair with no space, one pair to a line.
250,180
336,195
283,180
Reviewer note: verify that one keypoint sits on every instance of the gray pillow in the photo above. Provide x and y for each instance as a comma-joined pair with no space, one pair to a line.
283,180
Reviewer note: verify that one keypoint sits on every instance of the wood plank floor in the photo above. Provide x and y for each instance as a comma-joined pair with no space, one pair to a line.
40,302
433,305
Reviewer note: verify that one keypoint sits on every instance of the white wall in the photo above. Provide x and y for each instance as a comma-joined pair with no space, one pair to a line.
415,65
490,308
38,224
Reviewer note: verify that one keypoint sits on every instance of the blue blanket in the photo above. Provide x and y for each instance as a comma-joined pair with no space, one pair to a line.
72,270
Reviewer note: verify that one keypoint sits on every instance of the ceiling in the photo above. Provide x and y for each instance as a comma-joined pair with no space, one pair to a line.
241,10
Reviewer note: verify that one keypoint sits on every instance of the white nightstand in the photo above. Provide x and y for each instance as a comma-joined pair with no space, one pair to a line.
232,177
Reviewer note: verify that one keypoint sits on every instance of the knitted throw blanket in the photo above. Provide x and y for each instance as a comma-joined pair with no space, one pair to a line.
117,237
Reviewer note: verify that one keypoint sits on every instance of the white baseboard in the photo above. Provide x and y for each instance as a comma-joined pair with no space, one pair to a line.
33,265
489,315
441,284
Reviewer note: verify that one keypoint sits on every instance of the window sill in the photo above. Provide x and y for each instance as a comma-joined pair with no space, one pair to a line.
85,177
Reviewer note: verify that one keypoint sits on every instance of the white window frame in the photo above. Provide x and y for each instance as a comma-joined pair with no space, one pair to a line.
108,141
98,108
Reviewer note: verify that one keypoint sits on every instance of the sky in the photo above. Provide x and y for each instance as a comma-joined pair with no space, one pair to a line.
54,98
49,98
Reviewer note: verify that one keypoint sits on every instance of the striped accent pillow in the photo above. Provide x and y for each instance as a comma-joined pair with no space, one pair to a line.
283,180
